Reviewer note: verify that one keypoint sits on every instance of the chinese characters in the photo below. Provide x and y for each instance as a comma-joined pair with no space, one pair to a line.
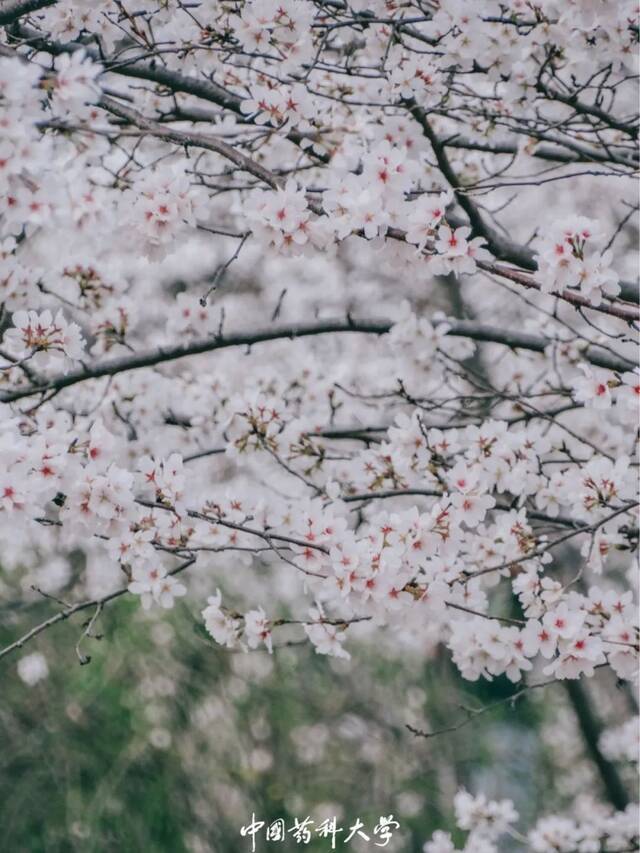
302,831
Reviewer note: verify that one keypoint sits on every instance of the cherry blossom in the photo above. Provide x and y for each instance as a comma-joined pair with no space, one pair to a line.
33,668
43,338
257,630
223,628
456,254
75,82
152,584
570,257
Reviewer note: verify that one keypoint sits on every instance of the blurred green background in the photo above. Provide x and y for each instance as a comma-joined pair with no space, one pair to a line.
167,742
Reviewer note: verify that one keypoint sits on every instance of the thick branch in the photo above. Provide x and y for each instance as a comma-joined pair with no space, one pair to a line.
541,152
111,367
501,248
589,109
11,11
191,139
615,308
461,328
591,729
199,87
435,493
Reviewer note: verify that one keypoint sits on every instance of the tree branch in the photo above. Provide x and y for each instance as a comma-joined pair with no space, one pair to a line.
11,11
460,328
591,730
191,139
77,608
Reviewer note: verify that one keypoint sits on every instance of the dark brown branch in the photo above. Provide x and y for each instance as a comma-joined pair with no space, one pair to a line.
175,82
461,328
435,493
591,729
191,139
541,152
508,250
11,11
501,248
592,110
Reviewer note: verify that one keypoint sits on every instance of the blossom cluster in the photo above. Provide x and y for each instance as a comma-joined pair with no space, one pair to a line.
369,204
571,254
593,828
43,338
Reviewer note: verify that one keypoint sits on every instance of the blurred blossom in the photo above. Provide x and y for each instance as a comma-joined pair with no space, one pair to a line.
33,668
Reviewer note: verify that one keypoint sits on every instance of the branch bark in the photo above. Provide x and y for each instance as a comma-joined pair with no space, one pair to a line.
191,139
591,729
11,11
461,329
